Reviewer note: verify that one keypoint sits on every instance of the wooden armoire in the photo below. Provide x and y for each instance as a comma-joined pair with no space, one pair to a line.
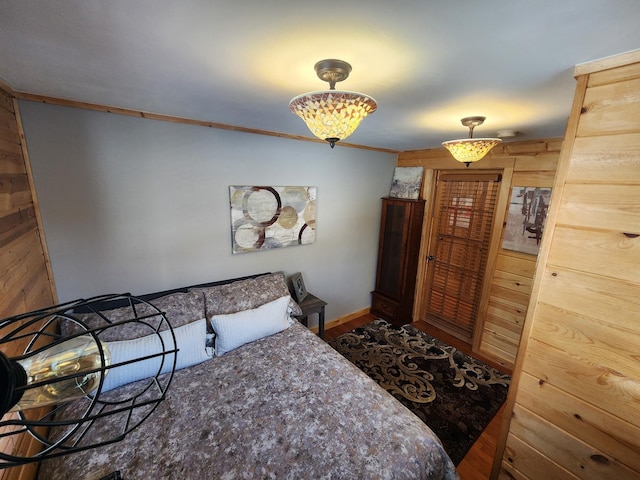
573,411
398,249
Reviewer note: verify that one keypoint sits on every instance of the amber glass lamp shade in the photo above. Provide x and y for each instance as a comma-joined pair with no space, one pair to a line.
332,115
469,150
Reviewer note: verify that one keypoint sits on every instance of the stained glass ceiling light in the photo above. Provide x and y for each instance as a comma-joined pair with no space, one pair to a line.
469,150
332,115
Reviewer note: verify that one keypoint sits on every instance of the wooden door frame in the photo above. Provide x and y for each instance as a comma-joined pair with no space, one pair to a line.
429,192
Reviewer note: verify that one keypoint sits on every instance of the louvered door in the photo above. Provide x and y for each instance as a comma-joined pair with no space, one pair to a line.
458,249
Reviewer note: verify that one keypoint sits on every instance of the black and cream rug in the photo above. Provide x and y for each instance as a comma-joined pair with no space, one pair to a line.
453,393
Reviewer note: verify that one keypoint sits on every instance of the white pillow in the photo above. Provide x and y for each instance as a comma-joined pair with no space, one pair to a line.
190,340
236,329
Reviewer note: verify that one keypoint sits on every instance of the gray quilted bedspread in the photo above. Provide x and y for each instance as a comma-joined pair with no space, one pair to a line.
284,407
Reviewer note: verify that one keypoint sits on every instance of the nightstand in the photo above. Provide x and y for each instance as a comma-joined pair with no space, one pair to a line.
310,305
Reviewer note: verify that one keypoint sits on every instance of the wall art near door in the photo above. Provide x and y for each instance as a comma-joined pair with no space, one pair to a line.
526,219
406,182
263,218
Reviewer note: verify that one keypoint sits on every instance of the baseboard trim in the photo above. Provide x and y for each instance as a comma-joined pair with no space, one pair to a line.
341,320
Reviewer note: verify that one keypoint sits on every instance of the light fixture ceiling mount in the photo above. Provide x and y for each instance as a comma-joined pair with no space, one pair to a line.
332,71
469,150
472,122
332,115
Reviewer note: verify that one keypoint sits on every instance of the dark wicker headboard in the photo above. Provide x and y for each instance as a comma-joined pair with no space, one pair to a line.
111,304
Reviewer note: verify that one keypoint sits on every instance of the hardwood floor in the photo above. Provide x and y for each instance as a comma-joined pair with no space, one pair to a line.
476,465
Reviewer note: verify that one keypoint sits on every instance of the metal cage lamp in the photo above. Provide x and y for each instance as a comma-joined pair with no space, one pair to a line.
469,150
66,357
332,115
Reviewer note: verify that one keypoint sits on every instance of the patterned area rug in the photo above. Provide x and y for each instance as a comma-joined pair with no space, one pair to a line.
453,393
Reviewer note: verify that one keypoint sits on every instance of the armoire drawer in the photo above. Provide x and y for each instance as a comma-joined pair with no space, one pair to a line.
384,307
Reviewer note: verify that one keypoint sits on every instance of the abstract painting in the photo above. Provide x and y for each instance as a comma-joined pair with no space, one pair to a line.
526,219
263,218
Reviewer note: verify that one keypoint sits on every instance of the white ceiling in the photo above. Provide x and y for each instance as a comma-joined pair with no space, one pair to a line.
428,63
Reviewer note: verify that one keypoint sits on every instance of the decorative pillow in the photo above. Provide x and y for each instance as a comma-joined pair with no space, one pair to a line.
247,294
179,308
236,329
190,340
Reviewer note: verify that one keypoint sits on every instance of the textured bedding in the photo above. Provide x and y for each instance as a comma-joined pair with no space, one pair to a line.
286,406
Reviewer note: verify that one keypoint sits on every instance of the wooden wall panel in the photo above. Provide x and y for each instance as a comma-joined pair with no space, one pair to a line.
607,432
607,159
517,264
600,252
511,280
574,404
511,288
612,108
509,274
25,280
523,462
609,69
560,451
591,295
610,207
616,353
503,311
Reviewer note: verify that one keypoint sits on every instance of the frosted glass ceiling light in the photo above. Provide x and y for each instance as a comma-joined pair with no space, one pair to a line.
332,115
468,150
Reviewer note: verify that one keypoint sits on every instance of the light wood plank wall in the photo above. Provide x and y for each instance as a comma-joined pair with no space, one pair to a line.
509,276
25,277
573,410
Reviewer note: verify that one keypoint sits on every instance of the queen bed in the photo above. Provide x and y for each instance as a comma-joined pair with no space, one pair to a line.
281,406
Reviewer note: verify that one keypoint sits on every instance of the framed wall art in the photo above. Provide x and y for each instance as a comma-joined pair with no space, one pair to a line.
526,219
264,218
406,182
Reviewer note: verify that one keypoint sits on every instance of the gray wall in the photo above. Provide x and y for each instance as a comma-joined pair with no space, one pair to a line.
136,205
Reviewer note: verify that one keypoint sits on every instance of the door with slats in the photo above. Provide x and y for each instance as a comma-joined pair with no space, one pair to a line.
458,249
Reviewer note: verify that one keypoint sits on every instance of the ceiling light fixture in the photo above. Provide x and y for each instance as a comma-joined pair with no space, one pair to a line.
468,150
332,115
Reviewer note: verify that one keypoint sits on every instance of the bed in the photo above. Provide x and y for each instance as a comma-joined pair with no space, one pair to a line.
282,406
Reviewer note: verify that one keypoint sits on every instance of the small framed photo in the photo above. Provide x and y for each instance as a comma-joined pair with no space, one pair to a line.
300,292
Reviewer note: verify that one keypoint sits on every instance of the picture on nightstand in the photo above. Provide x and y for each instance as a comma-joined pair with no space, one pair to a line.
300,292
